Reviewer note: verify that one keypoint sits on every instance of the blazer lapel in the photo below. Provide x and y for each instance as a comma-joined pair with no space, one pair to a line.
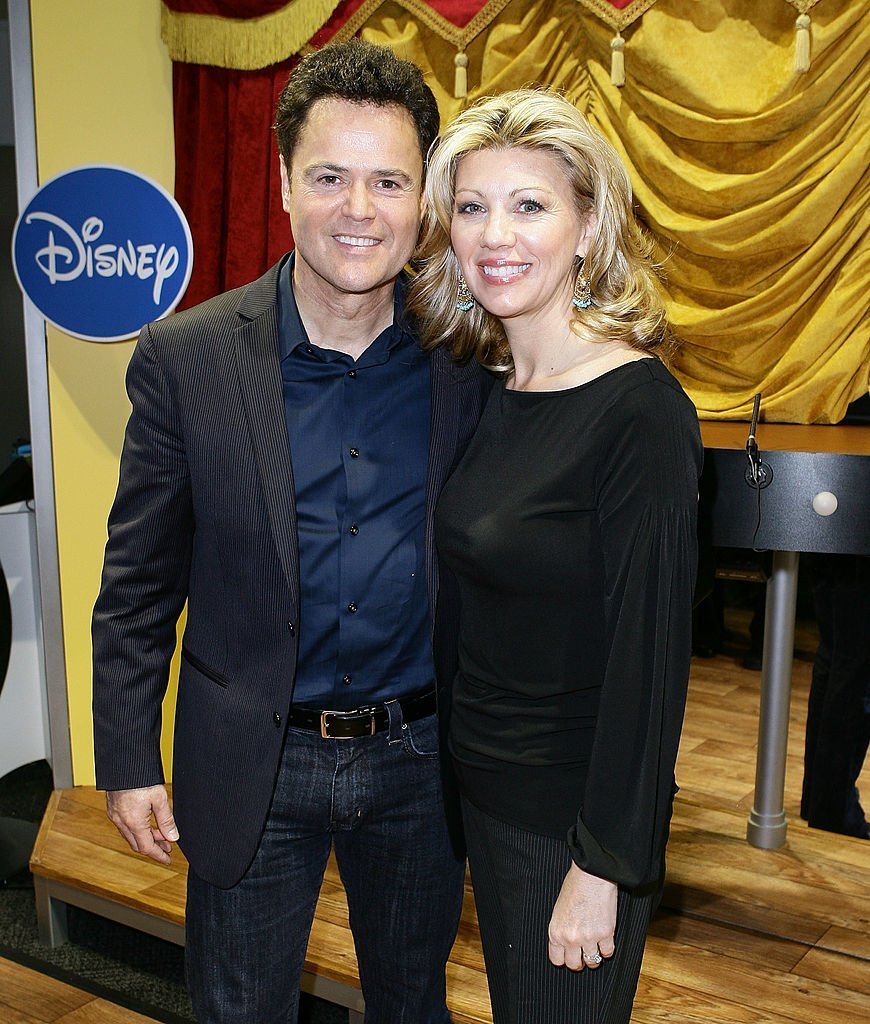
256,349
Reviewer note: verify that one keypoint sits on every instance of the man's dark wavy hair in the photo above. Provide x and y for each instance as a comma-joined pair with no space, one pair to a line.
362,73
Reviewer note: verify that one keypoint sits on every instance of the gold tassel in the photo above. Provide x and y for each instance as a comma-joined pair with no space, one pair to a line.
460,79
802,44
617,60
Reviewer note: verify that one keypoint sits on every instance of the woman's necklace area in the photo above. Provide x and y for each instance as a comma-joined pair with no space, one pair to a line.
568,369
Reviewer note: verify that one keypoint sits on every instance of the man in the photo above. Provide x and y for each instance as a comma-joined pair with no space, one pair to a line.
287,444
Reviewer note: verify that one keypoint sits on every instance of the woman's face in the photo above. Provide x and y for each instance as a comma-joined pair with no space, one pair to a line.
516,232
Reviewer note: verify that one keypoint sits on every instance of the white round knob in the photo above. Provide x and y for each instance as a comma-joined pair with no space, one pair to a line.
824,503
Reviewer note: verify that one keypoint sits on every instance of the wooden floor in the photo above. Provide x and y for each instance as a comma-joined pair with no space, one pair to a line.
30,998
745,936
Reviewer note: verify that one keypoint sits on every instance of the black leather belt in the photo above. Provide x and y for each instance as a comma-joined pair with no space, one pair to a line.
366,721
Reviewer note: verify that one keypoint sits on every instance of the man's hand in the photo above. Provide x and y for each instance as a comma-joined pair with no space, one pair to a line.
583,921
131,810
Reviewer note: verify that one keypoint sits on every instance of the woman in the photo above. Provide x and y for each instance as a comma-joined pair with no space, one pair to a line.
570,524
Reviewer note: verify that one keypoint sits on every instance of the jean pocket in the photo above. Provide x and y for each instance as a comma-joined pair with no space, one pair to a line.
420,738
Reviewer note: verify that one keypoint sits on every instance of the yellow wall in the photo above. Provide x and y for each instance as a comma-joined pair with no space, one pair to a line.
103,94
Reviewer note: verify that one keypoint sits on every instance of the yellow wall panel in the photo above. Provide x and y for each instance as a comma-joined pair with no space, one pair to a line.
103,94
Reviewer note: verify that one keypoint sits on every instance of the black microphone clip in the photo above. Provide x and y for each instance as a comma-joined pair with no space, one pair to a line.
758,473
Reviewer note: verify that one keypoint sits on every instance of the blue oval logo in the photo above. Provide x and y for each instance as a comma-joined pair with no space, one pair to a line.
101,250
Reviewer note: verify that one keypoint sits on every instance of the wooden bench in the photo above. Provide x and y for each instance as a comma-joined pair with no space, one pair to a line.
80,860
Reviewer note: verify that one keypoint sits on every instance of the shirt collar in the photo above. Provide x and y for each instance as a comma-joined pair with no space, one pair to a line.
292,334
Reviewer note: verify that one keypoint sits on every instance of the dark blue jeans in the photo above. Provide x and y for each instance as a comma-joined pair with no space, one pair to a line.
378,801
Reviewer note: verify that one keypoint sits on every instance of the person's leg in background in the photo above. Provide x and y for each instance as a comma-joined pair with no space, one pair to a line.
838,713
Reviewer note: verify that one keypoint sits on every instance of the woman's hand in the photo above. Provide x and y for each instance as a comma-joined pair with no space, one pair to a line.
583,921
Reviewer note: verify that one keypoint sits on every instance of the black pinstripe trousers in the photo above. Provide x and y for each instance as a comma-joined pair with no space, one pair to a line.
517,876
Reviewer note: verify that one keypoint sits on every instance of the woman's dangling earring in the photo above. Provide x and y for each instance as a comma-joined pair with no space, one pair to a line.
464,298
582,290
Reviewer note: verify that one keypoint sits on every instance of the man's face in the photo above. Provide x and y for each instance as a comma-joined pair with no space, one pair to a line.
353,194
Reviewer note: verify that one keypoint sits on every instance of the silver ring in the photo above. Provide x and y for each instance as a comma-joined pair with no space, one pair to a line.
593,958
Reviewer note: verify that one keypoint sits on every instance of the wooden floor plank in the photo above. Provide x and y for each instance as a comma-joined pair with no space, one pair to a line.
742,914
758,986
738,943
775,878
28,997
843,940
846,972
10,1015
102,1012
48,1001
660,1002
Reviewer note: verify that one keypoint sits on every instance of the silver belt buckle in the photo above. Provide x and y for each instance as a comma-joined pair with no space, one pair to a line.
324,723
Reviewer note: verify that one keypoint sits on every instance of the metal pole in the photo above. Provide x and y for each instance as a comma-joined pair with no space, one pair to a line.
766,828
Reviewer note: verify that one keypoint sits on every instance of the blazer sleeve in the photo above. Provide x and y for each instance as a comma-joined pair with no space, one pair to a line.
647,499
144,581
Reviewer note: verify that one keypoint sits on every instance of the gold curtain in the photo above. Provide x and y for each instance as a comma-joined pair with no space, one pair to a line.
752,178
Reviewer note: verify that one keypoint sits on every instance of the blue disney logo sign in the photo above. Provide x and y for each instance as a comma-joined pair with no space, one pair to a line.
129,263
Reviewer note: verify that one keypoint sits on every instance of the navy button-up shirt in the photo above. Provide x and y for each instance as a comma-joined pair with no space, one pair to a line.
359,443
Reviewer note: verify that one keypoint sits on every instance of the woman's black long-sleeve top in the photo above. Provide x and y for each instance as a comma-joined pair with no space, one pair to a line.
570,524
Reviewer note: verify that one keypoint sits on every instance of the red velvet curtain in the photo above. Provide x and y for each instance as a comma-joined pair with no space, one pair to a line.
226,173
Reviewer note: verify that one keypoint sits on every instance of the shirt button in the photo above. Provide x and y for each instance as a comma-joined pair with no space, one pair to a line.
354,530
351,373
276,718
347,680
291,627
354,453
352,608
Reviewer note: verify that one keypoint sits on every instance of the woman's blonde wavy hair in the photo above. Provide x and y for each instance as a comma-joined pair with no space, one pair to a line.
626,300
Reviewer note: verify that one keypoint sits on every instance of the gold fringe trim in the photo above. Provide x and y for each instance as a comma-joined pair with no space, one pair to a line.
618,20
244,44
802,6
458,37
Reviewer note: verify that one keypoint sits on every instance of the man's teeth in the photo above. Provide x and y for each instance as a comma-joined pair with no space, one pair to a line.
506,271
353,240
